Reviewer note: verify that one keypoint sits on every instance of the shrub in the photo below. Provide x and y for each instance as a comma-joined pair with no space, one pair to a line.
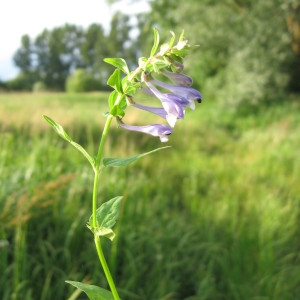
39,86
82,81
23,82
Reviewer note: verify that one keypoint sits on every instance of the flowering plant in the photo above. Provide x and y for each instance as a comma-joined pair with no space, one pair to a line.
174,96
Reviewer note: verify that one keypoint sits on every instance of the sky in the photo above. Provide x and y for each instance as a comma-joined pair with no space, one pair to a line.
19,17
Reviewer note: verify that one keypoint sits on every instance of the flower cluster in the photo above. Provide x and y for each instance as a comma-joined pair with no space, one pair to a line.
174,95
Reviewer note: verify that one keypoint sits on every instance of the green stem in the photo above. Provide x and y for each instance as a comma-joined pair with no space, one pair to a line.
95,191
94,207
102,141
105,268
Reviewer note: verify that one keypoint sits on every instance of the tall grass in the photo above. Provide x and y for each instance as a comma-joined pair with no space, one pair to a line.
215,217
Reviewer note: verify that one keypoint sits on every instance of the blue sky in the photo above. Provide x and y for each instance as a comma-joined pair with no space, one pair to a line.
19,17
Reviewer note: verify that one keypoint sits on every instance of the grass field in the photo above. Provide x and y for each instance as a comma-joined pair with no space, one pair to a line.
215,217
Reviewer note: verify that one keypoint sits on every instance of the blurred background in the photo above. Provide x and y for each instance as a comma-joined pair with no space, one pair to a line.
216,217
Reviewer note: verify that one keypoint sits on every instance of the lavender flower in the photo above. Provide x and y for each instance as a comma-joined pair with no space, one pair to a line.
185,92
155,110
160,130
173,105
179,79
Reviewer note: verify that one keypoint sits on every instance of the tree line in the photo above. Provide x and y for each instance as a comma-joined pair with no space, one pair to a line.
249,49
51,57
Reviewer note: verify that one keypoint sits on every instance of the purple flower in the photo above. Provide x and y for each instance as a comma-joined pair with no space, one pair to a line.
155,110
179,79
185,92
160,130
173,105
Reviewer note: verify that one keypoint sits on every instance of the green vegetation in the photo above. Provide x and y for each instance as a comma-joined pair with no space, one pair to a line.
82,81
54,55
214,217
249,50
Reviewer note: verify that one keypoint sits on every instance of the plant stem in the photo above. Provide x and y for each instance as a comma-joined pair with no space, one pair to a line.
105,268
102,141
94,208
95,191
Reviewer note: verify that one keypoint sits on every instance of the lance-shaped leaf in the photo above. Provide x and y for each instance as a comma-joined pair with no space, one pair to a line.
155,43
172,40
119,63
93,292
122,162
106,215
62,133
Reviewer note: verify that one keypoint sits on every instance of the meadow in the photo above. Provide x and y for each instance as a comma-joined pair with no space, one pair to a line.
214,217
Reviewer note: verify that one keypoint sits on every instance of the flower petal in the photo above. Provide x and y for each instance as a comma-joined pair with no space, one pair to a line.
188,93
174,105
155,110
160,130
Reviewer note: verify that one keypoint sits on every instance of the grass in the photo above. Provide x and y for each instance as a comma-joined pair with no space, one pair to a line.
216,217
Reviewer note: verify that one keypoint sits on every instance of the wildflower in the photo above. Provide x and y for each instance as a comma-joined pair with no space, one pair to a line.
173,105
188,93
160,130
160,111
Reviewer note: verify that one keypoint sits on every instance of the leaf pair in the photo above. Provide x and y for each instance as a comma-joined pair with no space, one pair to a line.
107,162
106,217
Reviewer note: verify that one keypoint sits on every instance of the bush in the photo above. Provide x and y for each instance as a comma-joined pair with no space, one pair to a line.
23,82
82,81
3,86
39,86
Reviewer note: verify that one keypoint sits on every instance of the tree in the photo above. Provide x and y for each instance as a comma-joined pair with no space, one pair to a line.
22,57
55,54
93,50
82,81
247,50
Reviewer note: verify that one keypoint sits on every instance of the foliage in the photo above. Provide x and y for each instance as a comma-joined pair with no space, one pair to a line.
249,50
82,81
2,85
39,86
225,226
23,82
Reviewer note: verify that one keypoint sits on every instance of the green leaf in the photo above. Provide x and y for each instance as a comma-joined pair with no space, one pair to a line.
119,63
155,43
62,133
58,128
122,162
159,64
181,38
93,292
117,110
112,99
115,80
107,215
130,86
172,40
108,212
